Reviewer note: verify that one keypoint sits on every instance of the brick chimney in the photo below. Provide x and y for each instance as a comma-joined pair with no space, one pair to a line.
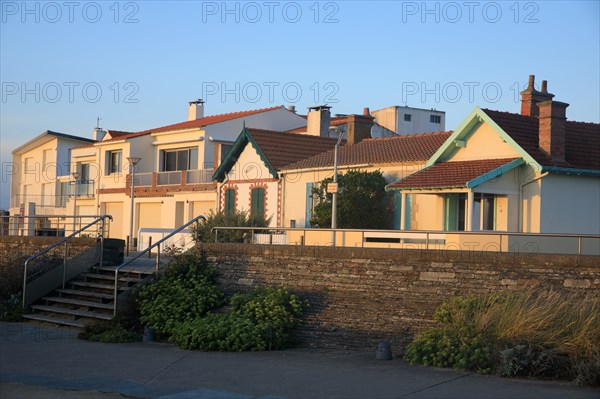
195,109
530,97
552,128
359,128
318,121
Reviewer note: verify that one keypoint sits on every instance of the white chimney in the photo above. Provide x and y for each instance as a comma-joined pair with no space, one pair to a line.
318,121
99,134
195,109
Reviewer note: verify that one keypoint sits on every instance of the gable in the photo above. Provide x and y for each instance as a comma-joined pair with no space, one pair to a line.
249,166
482,143
467,128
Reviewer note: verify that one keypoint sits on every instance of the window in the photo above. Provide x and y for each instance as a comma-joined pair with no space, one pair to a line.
84,172
407,117
230,201
225,150
258,202
113,162
180,159
435,119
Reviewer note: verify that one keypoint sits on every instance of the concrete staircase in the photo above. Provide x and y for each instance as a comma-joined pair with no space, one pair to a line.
90,296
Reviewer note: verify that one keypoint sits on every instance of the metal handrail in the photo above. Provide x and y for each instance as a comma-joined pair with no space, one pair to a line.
427,233
149,249
65,240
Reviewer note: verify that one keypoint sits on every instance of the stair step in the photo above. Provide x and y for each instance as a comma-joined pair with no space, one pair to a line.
90,294
74,312
93,285
78,302
111,277
54,320
130,269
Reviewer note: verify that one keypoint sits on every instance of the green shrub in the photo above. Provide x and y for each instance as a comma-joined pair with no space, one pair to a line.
457,343
11,309
203,230
187,289
109,331
258,320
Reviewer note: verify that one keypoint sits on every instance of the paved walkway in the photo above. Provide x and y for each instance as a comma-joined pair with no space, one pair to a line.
47,362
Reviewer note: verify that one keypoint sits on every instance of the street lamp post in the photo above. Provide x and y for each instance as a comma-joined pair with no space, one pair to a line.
335,188
75,177
132,162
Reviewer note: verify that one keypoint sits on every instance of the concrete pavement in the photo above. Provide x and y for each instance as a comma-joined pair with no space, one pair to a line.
39,358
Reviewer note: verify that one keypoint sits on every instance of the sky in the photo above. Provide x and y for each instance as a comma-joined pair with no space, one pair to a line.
136,64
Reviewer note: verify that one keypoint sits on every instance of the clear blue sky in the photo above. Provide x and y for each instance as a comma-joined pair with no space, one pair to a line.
136,64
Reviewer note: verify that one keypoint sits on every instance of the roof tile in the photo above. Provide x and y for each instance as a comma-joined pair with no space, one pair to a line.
582,146
410,148
283,148
449,174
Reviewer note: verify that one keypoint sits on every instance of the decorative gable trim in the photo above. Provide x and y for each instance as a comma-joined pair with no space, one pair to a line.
236,150
475,119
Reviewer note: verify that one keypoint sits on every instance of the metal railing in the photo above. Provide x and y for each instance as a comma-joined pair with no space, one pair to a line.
47,201
99,221
43,225
487,241
148,251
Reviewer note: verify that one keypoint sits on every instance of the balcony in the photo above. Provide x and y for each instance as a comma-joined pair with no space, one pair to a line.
83,188
174,178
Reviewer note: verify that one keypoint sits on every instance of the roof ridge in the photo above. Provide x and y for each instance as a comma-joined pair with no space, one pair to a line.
408,136
285,132
536,118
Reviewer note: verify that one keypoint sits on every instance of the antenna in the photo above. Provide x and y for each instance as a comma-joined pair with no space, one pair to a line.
98,119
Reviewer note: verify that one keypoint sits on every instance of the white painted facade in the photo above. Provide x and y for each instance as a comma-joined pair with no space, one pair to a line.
408,120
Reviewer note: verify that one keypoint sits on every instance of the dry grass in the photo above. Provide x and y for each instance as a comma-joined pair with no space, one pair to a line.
565,323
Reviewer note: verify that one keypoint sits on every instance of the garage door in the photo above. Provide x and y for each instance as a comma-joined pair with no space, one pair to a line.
150,215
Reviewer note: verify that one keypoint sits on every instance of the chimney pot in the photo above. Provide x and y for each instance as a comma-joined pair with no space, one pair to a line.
530,97
366,111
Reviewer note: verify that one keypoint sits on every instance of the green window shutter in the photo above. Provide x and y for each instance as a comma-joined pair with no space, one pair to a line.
230,201
258,202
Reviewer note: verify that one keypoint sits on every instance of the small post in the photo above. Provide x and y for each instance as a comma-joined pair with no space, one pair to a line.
157,257
427,241
65,264
101,242
149,245
216,236
579,245
127,246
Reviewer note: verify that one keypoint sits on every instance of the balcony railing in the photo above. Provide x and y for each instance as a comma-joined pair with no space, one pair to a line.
48,201
83,188
174,178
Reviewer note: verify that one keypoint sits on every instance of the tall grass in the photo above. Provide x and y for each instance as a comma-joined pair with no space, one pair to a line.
532,332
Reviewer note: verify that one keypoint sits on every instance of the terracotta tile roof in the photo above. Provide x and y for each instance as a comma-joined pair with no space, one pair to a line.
449,174
582,146
283,148
117,133
207,120
410,148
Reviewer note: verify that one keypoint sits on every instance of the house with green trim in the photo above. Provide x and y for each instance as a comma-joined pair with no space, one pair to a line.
533,172
249,176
